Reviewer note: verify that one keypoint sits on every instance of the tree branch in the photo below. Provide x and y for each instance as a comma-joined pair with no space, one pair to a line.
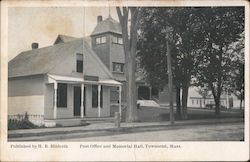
134,27
119,15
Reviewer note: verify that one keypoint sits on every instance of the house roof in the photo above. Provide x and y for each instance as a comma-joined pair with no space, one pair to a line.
64,38
109,82
107,25
42,60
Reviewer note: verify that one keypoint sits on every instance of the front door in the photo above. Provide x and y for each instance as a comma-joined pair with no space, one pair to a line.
77,101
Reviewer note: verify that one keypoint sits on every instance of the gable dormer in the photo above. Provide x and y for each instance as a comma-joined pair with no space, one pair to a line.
63,38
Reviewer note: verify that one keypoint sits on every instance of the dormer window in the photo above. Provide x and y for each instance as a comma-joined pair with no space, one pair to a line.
79,63
100,40
117,40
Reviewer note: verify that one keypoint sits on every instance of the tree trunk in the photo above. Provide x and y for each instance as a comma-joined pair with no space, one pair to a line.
217,105
241,99
170,84
216,100
178,102
131,91
219,84
184,101
130,46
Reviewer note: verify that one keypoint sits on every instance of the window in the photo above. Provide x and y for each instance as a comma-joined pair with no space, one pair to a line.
95,96
118,67
79,63
103,40
62,95
117,40
120,41
192,101
100,40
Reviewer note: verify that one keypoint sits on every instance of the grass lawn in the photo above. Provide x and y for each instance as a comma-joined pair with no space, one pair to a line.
162,114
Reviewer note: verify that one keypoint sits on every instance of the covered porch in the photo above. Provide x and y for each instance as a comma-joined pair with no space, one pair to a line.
86,97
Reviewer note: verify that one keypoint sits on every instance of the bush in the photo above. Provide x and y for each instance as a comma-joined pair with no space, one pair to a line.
21,124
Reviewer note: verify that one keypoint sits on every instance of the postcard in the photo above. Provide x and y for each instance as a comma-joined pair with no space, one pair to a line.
124,80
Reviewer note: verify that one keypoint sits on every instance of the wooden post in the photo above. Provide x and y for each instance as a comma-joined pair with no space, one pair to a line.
99,98
137,92
120,100
150,92
55,100
170,78
82,100
117,119
227,101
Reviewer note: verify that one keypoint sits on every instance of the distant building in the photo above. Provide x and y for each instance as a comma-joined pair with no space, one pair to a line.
195,100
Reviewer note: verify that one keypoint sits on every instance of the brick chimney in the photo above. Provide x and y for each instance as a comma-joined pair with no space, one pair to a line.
99,19
34,45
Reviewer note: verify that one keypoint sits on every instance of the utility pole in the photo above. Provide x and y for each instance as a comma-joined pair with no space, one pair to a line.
227,101
170,75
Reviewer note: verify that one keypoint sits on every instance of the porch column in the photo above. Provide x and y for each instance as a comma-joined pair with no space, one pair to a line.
137,92
120,101
82,100
55,100
150,93
99,98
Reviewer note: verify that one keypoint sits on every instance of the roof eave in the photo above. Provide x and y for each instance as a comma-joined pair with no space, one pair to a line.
101,33
26,76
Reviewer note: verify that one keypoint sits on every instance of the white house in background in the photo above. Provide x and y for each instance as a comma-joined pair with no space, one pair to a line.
195,100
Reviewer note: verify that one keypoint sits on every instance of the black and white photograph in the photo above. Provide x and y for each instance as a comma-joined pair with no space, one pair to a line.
126,73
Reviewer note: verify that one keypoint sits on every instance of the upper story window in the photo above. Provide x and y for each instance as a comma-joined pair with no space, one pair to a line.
118,67
62,95
100,40
79,62
117,40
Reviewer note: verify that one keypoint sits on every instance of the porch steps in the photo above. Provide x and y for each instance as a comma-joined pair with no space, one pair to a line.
149,103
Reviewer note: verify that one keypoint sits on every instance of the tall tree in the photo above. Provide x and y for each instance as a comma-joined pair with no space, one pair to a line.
221,26
237,81
184,47
239,86
129,36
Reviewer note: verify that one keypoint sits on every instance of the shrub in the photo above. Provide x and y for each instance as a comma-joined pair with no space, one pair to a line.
24,123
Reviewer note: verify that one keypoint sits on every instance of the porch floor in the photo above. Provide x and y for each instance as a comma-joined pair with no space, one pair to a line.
76,121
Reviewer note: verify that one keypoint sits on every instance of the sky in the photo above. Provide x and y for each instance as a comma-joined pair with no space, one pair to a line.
43,24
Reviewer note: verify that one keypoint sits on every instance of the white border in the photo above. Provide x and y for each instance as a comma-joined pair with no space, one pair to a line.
192,151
